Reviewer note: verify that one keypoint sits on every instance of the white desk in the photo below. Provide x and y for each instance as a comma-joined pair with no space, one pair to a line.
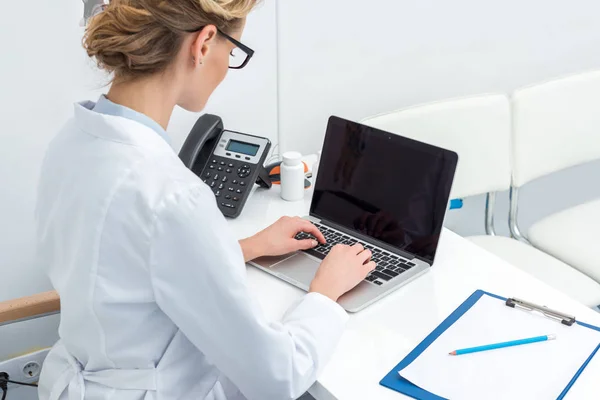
380,336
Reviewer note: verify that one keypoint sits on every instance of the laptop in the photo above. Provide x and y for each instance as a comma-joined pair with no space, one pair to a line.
387,192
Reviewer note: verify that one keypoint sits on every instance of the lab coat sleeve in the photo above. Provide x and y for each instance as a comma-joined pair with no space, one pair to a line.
199,280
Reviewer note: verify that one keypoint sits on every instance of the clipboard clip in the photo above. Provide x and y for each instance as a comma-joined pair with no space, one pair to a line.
564,319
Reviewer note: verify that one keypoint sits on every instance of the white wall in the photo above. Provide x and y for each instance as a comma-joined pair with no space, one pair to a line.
43,71
356,58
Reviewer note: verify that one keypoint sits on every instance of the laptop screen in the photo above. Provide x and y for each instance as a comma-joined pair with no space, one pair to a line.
384,186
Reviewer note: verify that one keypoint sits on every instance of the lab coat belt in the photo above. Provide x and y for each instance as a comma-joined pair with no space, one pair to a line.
74,378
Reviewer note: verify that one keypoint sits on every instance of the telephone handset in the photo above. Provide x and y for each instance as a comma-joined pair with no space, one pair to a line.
229,162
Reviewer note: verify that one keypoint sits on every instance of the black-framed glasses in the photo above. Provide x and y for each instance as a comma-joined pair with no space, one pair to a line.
240,56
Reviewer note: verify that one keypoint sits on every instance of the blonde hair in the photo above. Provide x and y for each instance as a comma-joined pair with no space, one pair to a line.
136,38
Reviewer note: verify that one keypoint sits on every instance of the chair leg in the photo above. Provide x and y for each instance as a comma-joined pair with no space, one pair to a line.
490,204
513,214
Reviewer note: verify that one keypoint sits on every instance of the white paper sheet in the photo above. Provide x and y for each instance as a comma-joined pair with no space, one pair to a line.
587,386
533,371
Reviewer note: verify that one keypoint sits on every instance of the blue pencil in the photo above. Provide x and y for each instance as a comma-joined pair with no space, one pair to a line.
503,344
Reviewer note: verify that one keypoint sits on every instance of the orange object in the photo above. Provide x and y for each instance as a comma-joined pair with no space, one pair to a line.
275,173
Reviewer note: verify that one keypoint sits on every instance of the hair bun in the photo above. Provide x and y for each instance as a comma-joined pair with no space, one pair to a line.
228,9
133,38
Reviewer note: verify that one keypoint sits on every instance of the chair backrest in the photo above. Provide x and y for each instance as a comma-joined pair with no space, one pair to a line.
556,125
477,128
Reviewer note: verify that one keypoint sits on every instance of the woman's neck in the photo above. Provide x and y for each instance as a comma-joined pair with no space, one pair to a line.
151,97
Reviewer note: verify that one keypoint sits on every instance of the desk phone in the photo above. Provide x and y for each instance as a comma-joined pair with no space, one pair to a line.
229,162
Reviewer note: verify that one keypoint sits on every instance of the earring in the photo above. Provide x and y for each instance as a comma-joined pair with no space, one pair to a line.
194,61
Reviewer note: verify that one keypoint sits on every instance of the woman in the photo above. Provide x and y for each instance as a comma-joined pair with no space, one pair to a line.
154,298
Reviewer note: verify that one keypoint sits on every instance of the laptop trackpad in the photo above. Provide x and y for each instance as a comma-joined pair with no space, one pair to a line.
298,267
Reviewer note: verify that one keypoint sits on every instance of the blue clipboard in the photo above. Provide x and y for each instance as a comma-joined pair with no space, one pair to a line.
395,382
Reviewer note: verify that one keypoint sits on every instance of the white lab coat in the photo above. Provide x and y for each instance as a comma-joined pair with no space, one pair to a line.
154,298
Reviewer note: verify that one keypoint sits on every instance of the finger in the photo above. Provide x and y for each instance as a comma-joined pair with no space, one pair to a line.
365,256
338,247
357,248
368,267
309,227
305,244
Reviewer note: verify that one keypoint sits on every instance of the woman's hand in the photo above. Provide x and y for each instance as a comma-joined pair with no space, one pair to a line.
278,239
343,269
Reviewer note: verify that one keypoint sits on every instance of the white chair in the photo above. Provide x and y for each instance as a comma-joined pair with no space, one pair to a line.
556,126
479,129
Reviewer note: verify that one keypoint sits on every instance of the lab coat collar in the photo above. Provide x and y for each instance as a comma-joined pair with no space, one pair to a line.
116,128
105,106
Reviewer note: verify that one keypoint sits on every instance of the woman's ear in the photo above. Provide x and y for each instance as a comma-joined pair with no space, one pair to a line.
201,44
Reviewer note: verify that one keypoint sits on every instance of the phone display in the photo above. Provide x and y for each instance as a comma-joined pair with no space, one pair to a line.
248,149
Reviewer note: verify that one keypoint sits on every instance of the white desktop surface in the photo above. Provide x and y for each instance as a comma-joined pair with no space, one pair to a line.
381,335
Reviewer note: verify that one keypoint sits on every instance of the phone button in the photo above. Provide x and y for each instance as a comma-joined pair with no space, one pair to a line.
216,177
214,161
211,166
248,158
244,171
228,197
227,205
237,156
224,179
229,154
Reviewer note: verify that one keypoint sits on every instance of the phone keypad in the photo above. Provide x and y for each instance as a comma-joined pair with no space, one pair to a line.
228,180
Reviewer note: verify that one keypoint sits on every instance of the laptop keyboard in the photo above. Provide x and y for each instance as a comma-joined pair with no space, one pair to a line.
389,266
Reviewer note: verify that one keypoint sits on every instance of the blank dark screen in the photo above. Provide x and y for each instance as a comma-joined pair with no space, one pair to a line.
384,186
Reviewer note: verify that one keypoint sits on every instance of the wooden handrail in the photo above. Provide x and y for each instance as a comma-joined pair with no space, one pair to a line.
29,307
